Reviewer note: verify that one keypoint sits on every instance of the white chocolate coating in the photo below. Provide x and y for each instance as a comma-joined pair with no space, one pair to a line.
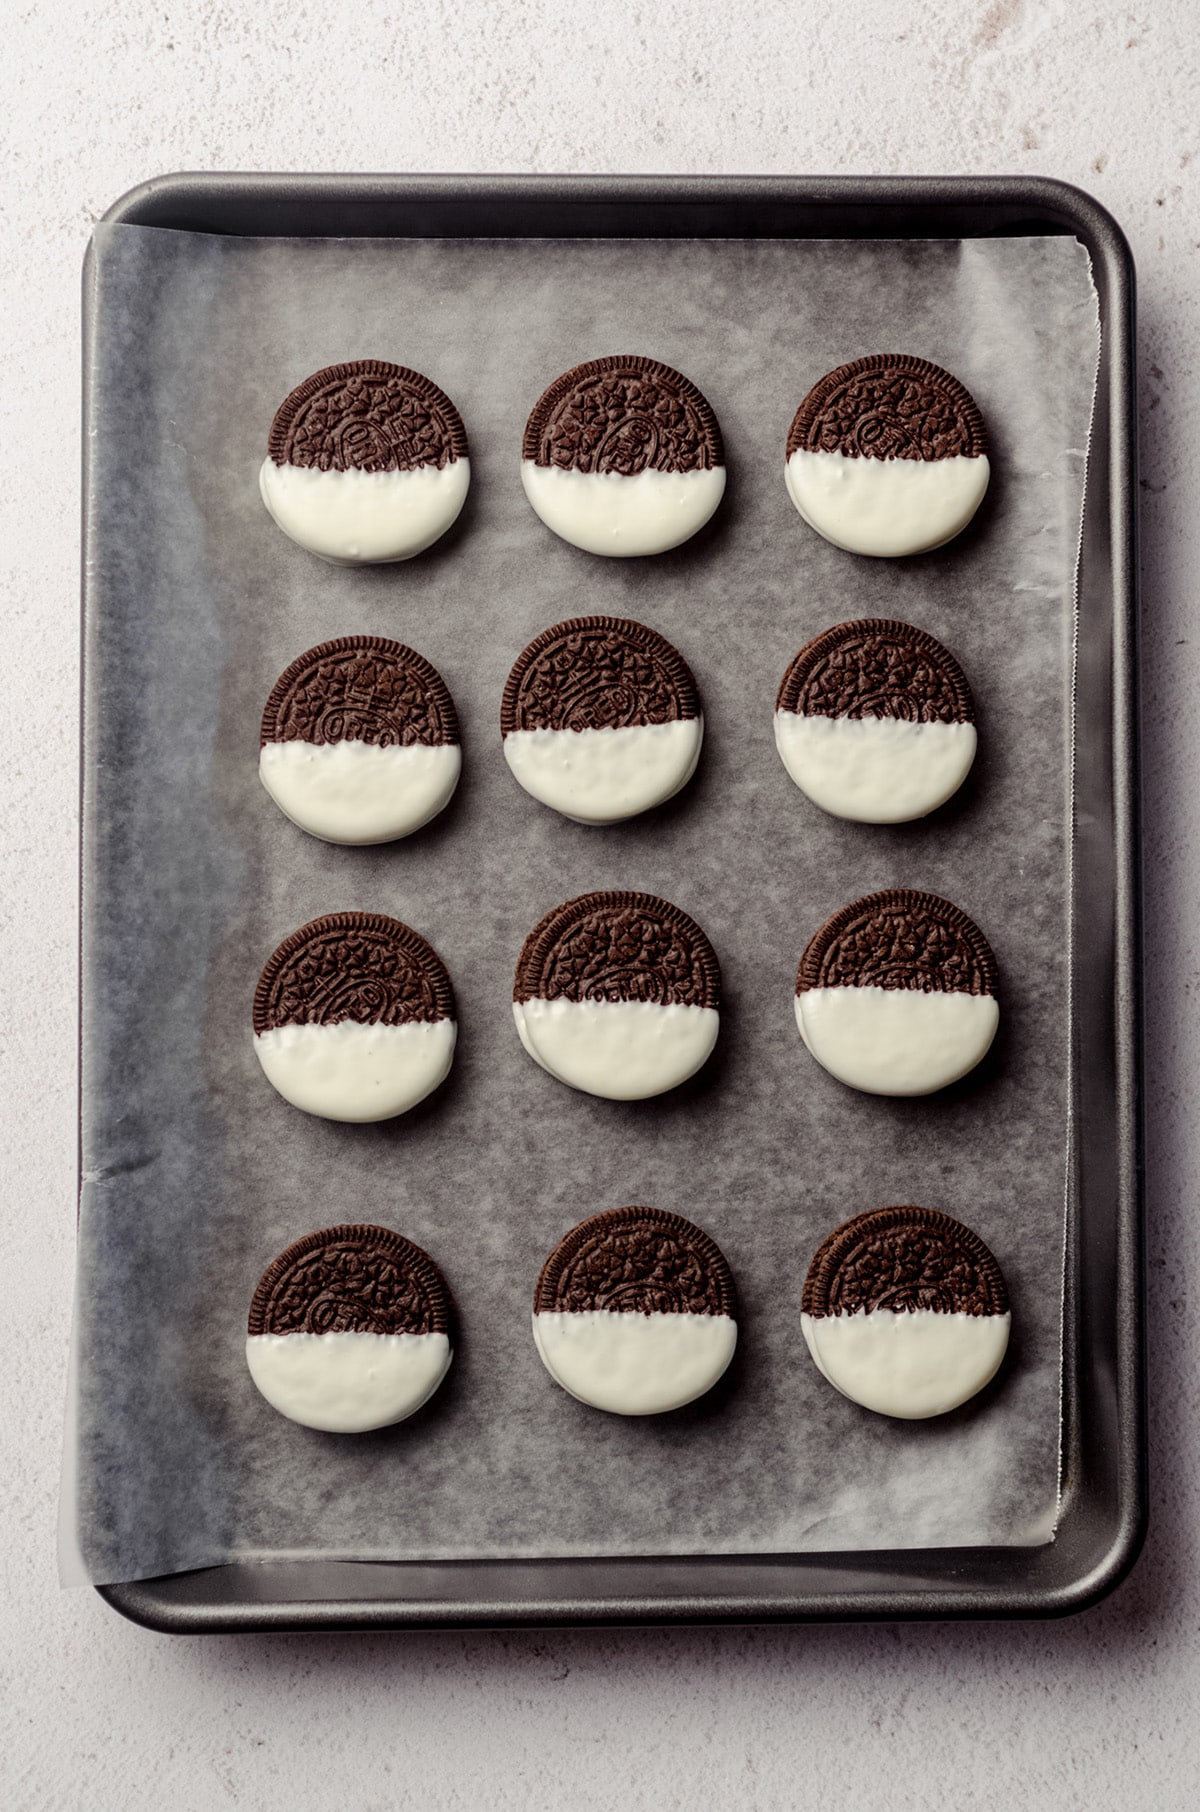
353,792
357,1072
875,770
622,1050
364,518
523,1035
602,776
886,506
632,1364
907,1364
896,1041
606,513
347,1383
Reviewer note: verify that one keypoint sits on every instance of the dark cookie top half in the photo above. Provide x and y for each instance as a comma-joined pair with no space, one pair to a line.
359,966
900,939
361,689
623,415
877,668
636,1261
904,1259
597,673
616,947
347,1280
367,416
889,406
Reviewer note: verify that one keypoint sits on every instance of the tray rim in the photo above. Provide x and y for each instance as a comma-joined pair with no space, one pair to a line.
867,1586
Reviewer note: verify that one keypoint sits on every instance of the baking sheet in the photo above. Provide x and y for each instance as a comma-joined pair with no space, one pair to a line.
196,1174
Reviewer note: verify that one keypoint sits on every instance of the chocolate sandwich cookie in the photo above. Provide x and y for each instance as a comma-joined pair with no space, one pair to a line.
618,994
888,455
875,722
601,719
359,741
623,456
366,463
350,1329
896,994
634,1312
354,1018
905,1311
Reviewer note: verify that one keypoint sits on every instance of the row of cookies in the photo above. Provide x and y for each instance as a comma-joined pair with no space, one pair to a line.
904,1311
368,462
601,719
618,995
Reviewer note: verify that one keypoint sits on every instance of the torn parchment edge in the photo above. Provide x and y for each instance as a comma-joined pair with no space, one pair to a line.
1072,1067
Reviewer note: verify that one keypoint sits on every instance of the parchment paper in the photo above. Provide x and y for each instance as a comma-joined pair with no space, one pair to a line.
197,1173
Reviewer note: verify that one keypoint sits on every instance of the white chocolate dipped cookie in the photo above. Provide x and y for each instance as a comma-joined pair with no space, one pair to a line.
354,1018
601,719
896,994
905,1311
875,721
359,741
618,994
367,463
634,1312
623,456
350,1329
887,455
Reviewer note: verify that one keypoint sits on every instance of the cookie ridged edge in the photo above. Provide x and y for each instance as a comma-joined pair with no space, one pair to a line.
802,663
704,1243
945,911
633,631
369,368
814,1299
417,1263
428,674
906,363
533,950
437,972
570,380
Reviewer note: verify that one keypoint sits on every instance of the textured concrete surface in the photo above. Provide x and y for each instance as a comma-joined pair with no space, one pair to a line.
96,94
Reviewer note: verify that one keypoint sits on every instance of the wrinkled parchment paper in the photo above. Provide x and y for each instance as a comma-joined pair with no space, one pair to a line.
196,1174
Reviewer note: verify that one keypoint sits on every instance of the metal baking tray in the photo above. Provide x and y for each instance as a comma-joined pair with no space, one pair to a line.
1103,1510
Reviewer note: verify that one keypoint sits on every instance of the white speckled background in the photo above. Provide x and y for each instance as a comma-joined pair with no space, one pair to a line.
1093,1713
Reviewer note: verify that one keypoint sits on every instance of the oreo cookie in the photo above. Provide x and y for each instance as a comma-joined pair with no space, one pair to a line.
906,1312
888,455
350,1329
354,1018
618,994
366,463
634,1312
623,456
359,741
875,722
601,719
896,994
